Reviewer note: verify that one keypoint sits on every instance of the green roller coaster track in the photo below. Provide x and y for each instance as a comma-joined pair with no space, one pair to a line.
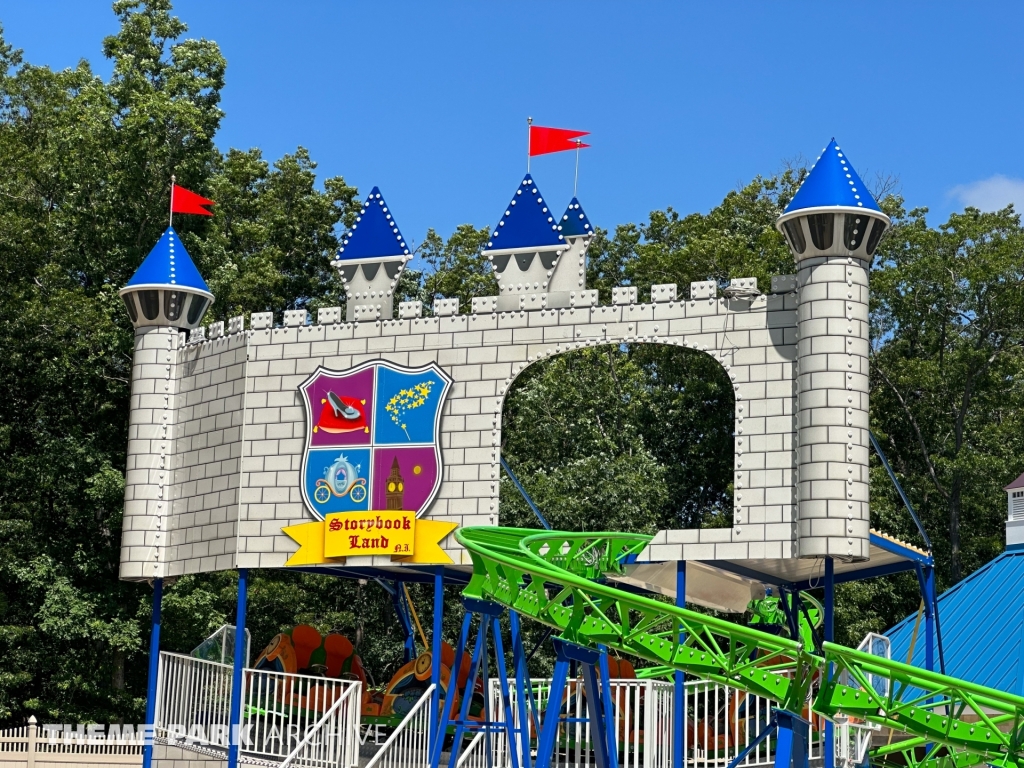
557,579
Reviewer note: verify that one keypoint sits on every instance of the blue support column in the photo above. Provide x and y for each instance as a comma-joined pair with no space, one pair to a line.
828,627
679,699
460,651
154,670
599,726
506,698
435,652
525,705
239,665
460,729
552,710
791,746
611,725
929,618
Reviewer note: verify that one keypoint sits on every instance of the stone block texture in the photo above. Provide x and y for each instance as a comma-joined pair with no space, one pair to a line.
218,429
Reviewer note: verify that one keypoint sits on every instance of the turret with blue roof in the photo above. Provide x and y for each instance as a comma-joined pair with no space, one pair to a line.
528,249
833,226
167,289
373,241
833,211
574,222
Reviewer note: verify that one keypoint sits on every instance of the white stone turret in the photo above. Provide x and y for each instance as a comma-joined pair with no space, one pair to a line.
370,261
833,226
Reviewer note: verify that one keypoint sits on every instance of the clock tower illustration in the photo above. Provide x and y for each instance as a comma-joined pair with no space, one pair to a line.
395,488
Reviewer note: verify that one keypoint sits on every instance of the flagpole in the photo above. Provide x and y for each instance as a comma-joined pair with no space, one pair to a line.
576,179
529,122
171,222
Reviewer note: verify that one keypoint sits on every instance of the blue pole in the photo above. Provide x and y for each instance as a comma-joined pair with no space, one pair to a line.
521,672
449,696
599,724
679,699
460,728
435,652
610,722
154,670
239,666
552,712
506,697
929,618
829,634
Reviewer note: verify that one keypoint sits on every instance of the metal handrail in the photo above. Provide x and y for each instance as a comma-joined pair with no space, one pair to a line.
425,700
319,724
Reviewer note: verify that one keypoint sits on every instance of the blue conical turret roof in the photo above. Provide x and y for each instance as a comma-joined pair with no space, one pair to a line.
574,221
168,264
527,223
375,233
832,183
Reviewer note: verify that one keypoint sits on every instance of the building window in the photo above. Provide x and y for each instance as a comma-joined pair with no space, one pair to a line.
195,309
795,233
149,301
174,302
129,302
877,230
821,226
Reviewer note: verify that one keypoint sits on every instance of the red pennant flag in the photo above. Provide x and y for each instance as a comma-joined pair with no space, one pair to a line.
546,140
184,201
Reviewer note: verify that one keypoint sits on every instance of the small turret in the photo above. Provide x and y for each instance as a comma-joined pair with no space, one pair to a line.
167,289
374,241
536,264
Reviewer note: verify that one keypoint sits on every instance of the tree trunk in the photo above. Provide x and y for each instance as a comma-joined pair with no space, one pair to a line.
954,531
117,674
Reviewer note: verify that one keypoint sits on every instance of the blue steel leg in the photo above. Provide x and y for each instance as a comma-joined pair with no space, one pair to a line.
435,752
154,670
239,666
435,650
679,697
599,735
485,686
552,713
929,618
791,746
503,677
525,690
478,650
611,720
506,698
828,622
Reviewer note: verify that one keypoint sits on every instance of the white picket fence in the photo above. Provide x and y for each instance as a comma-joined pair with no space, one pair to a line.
302,719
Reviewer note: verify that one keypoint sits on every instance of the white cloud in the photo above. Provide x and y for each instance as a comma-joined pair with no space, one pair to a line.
991,194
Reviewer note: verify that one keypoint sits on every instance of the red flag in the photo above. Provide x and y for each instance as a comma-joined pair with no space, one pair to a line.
184,201
545,140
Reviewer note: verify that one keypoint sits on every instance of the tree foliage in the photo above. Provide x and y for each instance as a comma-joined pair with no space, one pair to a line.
637,437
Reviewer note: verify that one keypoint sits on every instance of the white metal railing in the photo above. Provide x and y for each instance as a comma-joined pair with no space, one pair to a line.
193,700
408,746
315,718
334,740
721,722
643,725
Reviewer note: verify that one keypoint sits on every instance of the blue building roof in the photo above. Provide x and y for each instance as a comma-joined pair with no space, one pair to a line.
981,619
168,264
375,233
574,221
832,183
527,222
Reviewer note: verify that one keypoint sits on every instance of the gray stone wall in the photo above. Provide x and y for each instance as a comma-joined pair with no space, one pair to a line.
240,425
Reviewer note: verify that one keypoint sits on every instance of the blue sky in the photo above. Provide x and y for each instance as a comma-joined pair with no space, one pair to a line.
685,101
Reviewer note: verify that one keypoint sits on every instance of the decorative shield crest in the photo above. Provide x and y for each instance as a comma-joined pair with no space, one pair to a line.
372,438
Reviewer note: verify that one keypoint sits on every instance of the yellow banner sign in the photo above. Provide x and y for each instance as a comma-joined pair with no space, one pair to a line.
369,533
426,545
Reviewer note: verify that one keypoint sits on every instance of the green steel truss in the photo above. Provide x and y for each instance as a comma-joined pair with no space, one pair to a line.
556,578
